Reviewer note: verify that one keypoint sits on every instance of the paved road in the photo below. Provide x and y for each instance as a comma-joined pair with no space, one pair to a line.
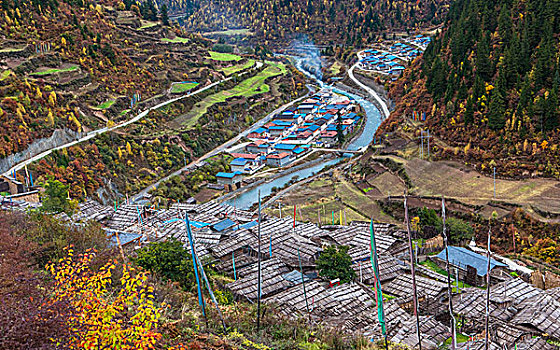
385,109
218,149
97,132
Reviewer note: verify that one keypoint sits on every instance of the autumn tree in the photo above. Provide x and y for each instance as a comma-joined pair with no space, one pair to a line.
56,198
121,316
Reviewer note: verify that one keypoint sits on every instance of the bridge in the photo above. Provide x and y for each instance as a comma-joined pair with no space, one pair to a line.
341,150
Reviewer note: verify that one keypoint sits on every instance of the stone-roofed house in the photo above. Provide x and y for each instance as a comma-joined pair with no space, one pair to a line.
389,268
433,333
426,288
90,210
272,280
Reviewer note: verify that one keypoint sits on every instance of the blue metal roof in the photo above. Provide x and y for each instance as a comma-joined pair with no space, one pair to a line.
283,146
464,257
198,224
313,127
260,130
227,175
248,225
299,150
223,225
239,161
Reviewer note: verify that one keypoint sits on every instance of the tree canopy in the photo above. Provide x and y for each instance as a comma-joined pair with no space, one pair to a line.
334,262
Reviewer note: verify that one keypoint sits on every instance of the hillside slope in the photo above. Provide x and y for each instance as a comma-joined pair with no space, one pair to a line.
80,66
349,22
489,86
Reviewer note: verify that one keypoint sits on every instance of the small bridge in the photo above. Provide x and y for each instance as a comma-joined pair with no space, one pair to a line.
340,150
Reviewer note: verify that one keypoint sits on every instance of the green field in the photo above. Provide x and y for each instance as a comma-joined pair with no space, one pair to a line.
106,104
148,24
224,57
176,40
247,88
238,68
56,70
182,87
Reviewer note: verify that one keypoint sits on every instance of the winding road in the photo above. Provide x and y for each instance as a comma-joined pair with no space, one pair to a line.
97,132
384,108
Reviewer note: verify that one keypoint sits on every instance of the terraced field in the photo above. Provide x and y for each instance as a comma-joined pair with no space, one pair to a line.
182,87
249,87
237,68
225,57
175,40
56,70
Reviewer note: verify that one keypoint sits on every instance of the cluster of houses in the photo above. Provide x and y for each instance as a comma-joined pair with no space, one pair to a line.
522,316
291,134
314,121
390,61
420,40
382,62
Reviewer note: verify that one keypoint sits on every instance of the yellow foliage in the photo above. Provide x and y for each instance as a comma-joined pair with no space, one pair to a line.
50,118
544,144
105,316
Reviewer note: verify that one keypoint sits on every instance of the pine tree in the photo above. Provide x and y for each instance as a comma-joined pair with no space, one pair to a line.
164,16
496,112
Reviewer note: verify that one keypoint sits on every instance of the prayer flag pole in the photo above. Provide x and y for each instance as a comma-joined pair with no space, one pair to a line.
487,293
199,289
449,291
413,271
378,291
259,267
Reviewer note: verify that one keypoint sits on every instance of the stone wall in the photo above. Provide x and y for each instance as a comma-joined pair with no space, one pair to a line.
58,138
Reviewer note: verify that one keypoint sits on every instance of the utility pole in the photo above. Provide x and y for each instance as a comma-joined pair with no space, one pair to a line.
422,143
494,182
428,143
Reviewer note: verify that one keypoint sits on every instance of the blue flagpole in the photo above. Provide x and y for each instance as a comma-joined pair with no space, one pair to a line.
270,247
233,263
189,235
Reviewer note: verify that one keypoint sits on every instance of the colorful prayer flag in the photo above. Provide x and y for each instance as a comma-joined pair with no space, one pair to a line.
377,283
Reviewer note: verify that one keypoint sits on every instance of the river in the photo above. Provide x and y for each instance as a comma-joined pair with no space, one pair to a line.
373,119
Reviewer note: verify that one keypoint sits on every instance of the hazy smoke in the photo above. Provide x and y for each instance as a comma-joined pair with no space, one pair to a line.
308,57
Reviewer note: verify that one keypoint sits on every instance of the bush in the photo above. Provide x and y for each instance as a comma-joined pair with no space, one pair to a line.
170,260
334,262
223,48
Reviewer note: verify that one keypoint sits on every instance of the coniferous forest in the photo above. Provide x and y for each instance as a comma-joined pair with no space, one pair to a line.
489,83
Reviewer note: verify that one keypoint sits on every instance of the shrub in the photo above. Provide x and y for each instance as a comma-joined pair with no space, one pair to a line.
335,262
